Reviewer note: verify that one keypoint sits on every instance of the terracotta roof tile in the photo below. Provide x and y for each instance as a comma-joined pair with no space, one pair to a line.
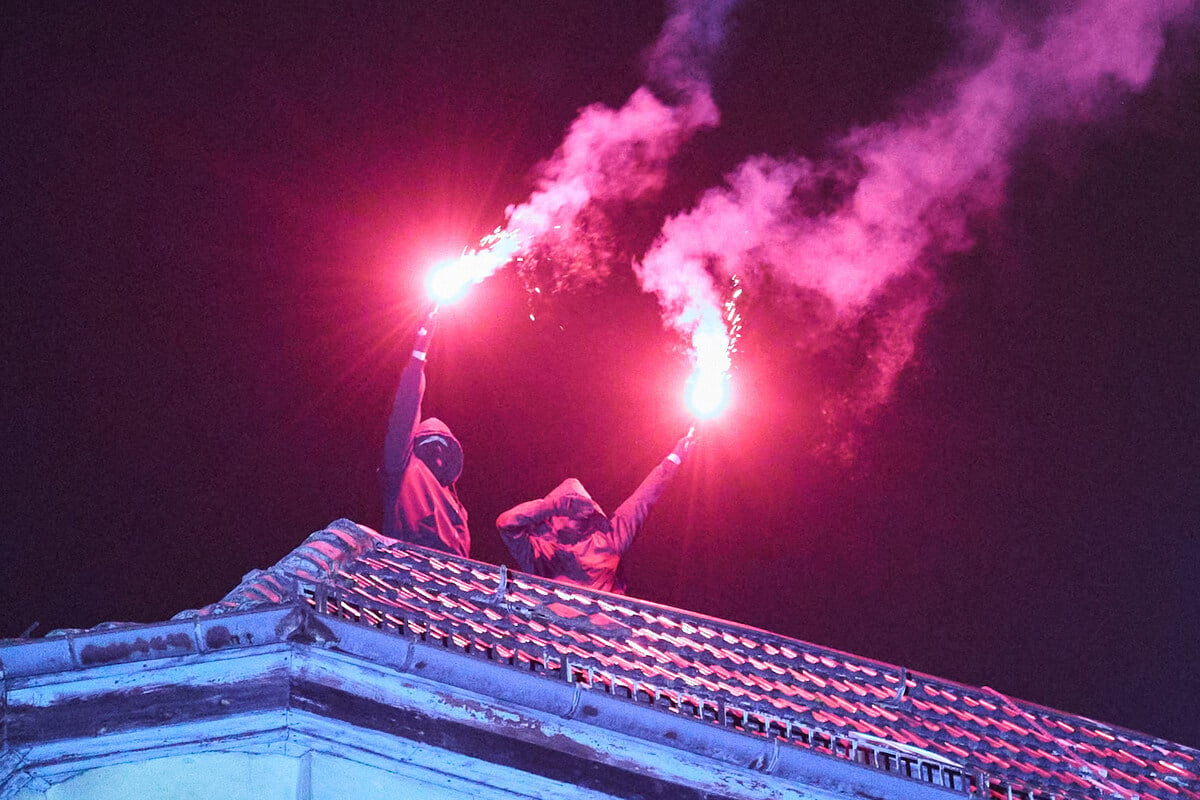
729,674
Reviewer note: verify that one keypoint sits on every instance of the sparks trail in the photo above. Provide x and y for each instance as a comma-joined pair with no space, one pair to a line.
714,343
450,279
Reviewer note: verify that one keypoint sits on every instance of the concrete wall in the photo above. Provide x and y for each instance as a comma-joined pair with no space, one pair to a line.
257,776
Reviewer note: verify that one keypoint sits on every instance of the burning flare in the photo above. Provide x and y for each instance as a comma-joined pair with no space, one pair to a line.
708,387
449,280
856,240
714,340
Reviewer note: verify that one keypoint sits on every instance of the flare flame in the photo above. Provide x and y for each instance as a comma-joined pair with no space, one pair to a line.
449,280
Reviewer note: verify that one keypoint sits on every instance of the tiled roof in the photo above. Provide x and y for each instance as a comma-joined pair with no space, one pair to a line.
963,737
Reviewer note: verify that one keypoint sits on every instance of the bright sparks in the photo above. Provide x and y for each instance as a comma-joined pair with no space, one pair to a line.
449,280
713,344
708,388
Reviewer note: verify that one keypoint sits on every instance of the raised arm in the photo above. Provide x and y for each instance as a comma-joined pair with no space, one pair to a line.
406,407
515,525
525,515
630,516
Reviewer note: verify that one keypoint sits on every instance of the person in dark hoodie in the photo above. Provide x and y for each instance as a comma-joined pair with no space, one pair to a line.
566,535
421,503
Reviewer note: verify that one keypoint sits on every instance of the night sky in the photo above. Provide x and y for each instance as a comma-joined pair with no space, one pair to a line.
216,227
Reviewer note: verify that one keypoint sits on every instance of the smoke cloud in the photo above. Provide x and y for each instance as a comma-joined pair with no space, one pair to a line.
613,156
860,232
857,236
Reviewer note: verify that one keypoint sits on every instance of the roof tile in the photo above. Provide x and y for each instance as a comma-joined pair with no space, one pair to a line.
746,678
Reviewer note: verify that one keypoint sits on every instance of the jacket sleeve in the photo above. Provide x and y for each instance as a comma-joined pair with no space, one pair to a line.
630,516
402,423
515,525
406,407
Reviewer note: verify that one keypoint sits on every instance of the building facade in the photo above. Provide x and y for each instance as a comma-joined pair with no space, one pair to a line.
360,667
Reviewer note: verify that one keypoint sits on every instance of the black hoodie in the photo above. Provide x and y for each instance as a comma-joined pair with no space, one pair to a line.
419,508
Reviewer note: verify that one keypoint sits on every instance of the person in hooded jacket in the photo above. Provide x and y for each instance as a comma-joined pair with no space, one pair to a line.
566,535
421,503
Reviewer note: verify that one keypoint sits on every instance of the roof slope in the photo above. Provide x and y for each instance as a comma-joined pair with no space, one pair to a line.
882,716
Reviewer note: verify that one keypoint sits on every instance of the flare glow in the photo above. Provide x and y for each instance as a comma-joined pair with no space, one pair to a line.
708,389
449,280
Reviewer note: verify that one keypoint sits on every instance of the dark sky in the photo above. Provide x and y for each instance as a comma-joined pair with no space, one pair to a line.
216,224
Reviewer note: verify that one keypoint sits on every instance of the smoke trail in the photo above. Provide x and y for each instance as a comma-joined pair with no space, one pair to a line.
860,232
619,155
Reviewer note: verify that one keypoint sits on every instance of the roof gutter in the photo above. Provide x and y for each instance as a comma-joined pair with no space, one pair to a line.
298,624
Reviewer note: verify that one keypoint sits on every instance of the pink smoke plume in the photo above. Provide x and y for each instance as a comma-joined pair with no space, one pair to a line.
906,188
608,157
620,155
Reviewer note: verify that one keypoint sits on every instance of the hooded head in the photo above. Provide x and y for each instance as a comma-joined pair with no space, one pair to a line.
578,514
436,446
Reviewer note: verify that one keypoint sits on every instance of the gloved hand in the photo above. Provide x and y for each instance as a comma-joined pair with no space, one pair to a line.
682,447
425,335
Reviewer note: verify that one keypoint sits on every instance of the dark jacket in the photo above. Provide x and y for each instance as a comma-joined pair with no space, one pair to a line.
566,536
419,508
